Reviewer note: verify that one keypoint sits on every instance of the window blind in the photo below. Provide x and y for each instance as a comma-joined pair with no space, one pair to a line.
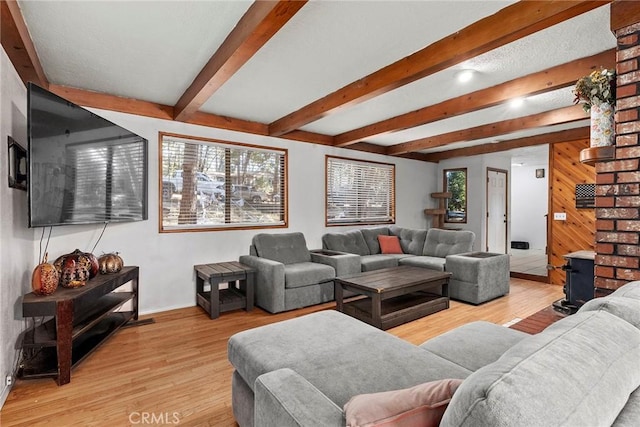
359,192
210,184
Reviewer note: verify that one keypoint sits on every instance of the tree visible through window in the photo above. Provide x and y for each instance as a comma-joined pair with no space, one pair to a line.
359,192
209,184
455,182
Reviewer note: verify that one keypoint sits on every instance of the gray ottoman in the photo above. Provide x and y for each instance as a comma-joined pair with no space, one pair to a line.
478,276
337,354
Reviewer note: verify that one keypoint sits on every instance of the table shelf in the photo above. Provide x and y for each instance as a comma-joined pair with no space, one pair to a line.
80,321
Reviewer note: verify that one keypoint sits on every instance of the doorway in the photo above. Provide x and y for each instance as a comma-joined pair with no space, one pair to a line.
529,204
497,187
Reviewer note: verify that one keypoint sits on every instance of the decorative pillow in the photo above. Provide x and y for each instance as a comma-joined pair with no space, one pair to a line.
389,244
422,405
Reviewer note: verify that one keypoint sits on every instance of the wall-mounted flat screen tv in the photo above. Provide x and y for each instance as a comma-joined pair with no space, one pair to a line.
83,169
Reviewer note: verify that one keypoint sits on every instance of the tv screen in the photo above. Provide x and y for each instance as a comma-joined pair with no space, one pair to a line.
83,169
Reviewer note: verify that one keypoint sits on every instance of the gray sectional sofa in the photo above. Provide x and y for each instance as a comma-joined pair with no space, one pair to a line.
422,248
477,277
583,370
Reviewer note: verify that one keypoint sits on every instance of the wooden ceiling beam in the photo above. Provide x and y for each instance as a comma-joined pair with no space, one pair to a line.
554,78
507,25
548,138
624,13
159,111
17,42
262,21
104,101
547,118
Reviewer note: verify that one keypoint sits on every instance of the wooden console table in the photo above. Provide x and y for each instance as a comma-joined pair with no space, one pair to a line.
83,318
238,295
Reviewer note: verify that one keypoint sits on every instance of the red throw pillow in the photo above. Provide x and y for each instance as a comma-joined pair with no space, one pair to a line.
419,406
389,244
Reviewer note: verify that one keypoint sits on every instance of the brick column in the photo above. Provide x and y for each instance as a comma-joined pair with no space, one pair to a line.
618,181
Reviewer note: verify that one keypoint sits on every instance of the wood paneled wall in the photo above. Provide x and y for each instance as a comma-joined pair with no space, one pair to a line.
578,231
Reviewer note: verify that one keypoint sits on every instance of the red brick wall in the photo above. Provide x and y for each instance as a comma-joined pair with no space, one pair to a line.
618,181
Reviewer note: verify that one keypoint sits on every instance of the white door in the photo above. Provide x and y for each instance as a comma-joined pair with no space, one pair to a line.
497,211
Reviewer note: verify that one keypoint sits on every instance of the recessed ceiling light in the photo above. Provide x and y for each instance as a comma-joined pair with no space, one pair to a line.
516,102
519,164
464,76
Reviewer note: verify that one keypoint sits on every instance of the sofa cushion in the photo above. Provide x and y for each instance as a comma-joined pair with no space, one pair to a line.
307,273
286,248
440,243
376,262
371,238
390,245
430,262
625,308
351,241
411,240
630,290
561,374
422,405
475,344
327,346
630,414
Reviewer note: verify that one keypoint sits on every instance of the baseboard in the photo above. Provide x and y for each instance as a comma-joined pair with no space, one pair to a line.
4,395
533,277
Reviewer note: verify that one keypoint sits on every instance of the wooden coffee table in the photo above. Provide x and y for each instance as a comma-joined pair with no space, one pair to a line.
393,296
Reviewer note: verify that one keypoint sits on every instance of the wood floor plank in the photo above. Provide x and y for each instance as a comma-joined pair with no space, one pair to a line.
178,365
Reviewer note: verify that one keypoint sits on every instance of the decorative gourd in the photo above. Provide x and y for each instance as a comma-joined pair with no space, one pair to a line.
74,269
95,267
110,263
44,280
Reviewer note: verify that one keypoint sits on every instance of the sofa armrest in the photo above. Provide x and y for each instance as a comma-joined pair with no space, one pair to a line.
269,286
284,398
342,262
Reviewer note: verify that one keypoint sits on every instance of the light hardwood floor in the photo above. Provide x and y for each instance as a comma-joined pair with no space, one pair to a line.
176,369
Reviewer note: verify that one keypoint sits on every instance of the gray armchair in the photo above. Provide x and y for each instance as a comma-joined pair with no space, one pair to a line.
289,276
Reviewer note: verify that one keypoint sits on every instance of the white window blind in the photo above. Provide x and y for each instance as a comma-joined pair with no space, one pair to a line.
210,184
359,192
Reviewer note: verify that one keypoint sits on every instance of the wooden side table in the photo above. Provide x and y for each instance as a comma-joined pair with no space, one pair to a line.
239,294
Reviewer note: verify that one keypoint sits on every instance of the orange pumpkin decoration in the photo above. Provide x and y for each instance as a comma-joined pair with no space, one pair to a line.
110,263
44,280
93,261
74,269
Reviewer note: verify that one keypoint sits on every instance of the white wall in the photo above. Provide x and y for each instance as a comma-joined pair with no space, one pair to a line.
16,240
476,190
529,201
166,260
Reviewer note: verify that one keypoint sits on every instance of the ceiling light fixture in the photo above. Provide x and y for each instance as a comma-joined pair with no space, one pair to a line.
516,102
464,76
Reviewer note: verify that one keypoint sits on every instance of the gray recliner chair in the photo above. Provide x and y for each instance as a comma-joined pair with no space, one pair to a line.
288,276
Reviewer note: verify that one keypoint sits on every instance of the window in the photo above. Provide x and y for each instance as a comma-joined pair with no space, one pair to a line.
212,185
359,192
455,182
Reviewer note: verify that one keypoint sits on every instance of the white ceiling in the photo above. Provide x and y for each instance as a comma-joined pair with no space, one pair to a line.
153,50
